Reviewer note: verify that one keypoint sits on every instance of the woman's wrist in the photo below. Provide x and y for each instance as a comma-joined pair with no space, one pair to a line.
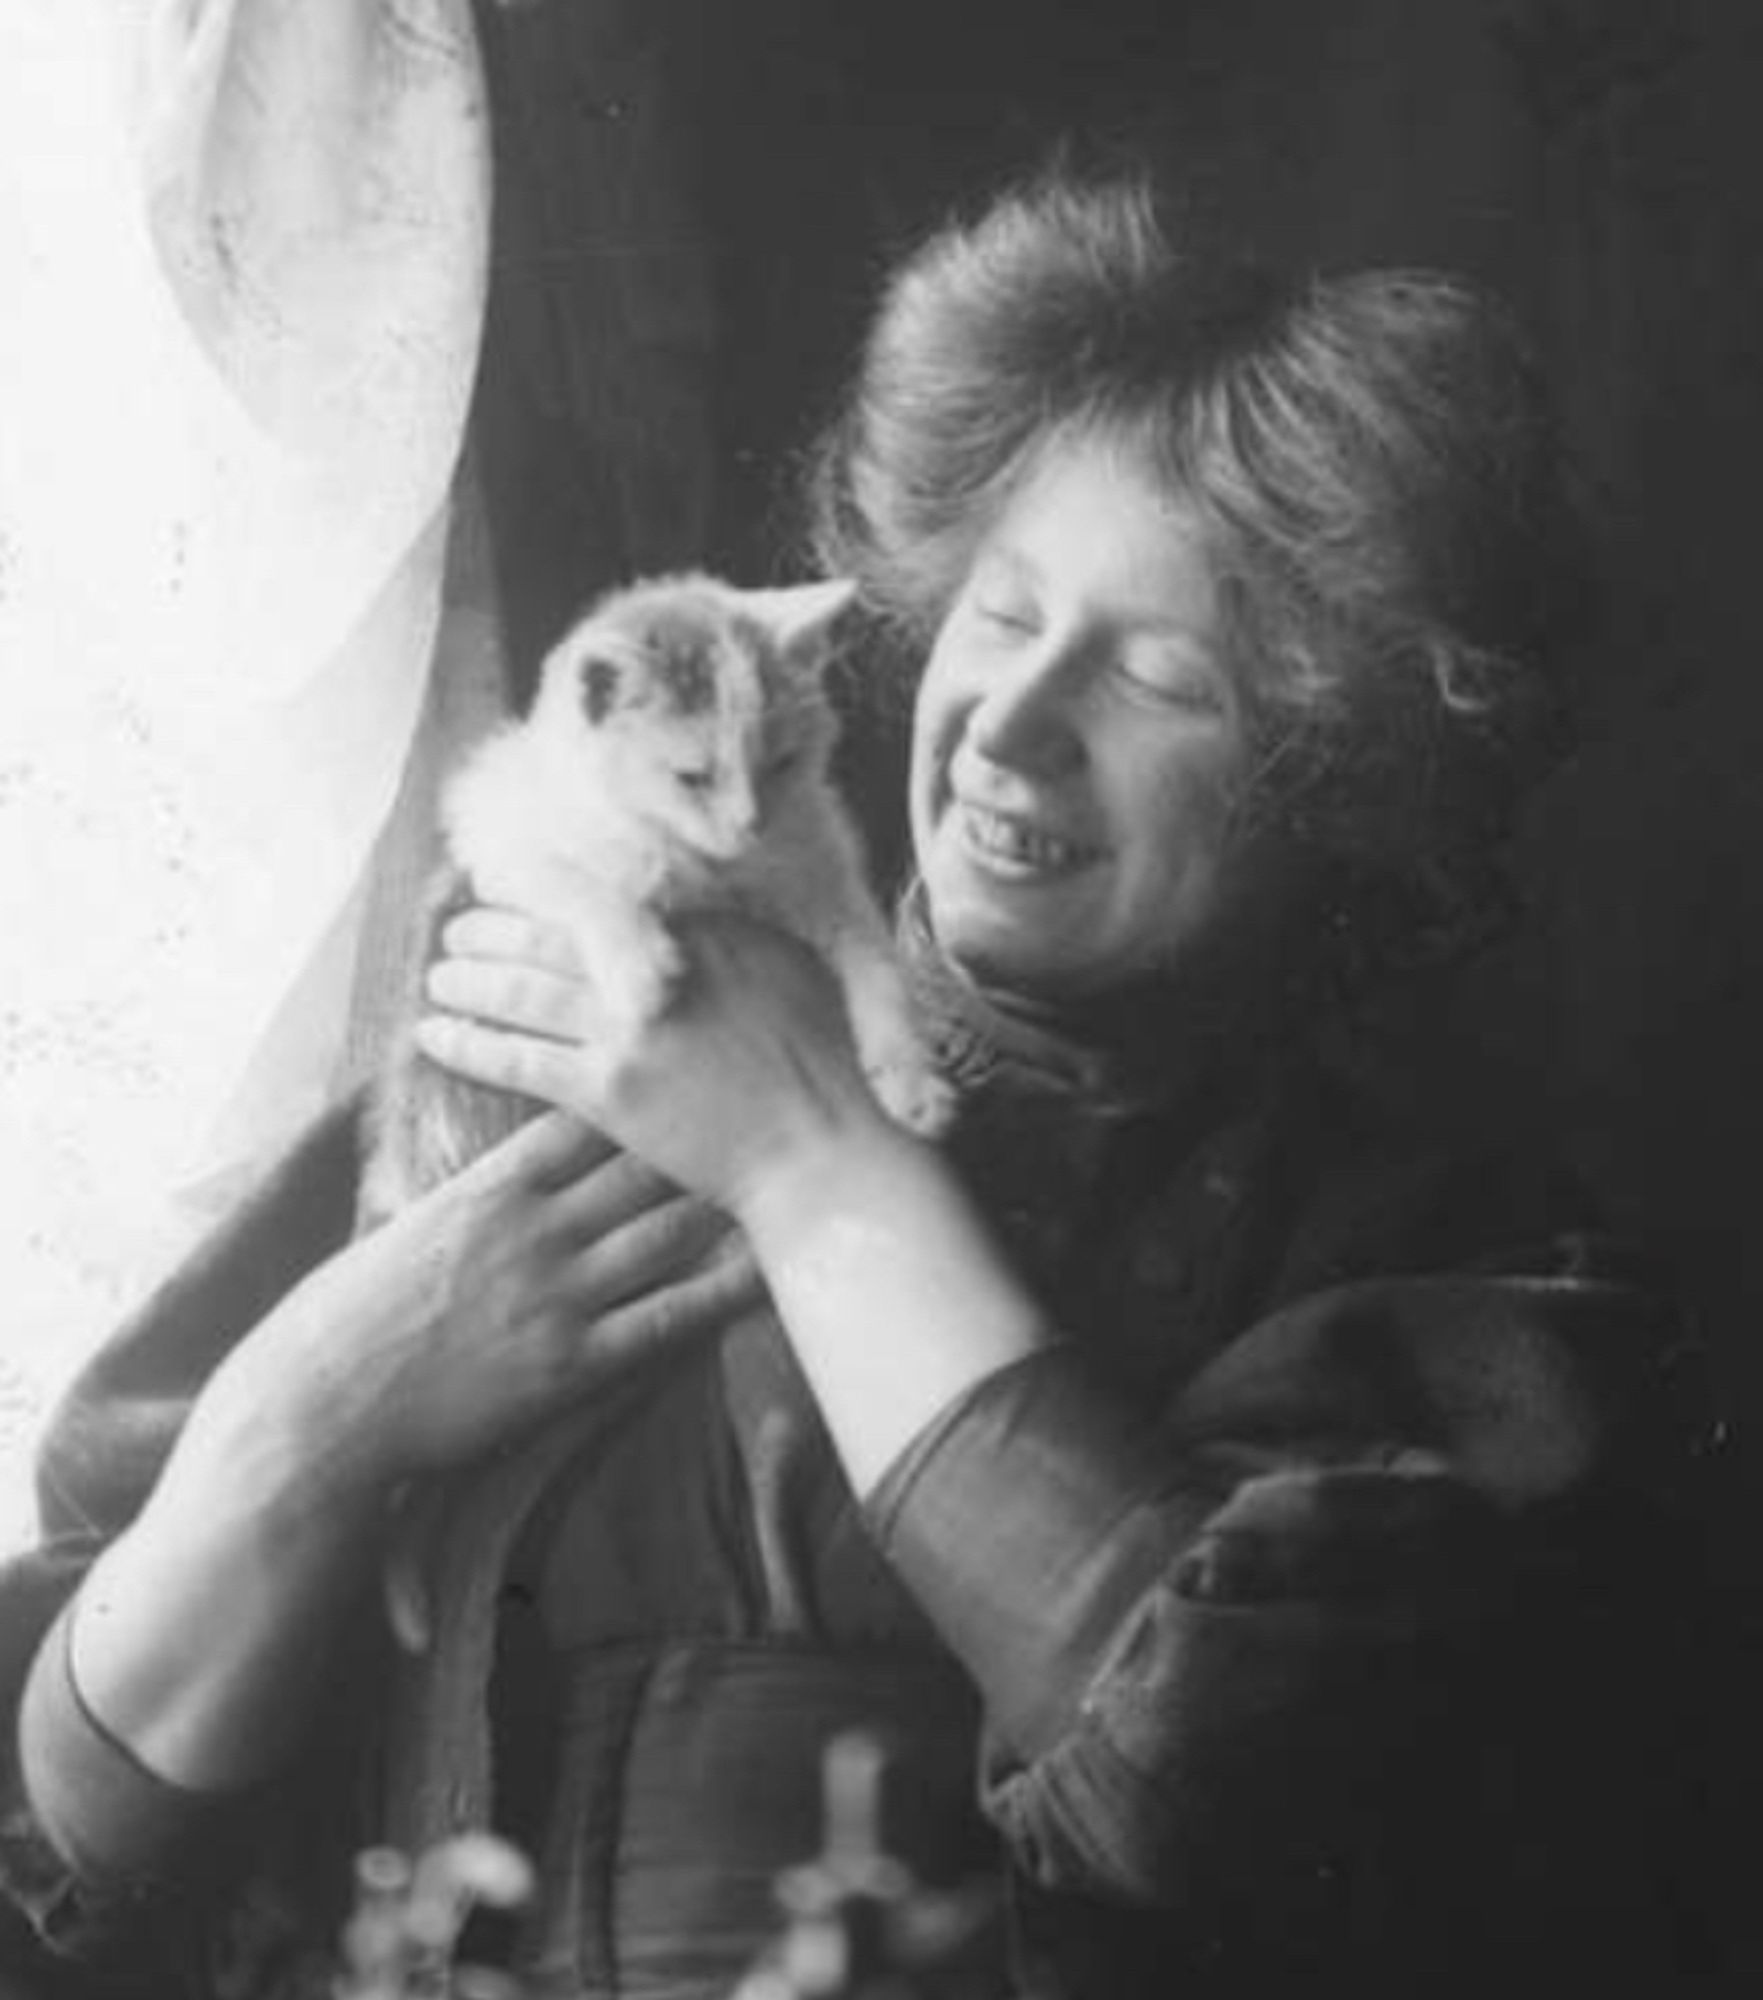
282,1462
889,1285
795,1191
276,1429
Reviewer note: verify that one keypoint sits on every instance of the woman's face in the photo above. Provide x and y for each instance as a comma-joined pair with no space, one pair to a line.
1078,739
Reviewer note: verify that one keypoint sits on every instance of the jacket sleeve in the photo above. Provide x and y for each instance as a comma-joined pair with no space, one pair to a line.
1222,1646
99,1458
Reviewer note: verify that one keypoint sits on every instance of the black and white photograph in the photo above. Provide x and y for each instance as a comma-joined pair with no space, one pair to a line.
881,1035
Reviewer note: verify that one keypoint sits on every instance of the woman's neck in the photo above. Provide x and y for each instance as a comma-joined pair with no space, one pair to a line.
1150,1043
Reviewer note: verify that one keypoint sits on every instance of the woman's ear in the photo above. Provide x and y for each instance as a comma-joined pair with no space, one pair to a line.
801,616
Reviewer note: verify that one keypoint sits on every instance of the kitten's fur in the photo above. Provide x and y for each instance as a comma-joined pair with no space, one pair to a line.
675,758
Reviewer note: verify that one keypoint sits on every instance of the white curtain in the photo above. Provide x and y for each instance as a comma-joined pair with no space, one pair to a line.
243,247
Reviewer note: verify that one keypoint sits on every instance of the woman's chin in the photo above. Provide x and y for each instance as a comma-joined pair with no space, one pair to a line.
1042,933
995,951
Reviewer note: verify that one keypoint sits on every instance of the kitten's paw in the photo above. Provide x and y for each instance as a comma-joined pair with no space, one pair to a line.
914,1095
650,979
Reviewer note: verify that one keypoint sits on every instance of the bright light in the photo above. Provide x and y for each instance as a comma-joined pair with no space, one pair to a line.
214,638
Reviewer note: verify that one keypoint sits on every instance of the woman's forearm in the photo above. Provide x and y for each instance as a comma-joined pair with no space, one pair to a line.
892,1291
198,1637
535,1276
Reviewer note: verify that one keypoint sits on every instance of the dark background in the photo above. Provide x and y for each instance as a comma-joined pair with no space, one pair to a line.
695,202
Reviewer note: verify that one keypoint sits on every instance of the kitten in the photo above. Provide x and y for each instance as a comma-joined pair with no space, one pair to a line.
675,758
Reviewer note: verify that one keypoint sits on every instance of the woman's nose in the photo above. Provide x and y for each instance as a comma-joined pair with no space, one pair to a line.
1027,717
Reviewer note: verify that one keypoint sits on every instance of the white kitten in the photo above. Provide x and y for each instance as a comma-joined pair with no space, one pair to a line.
675,758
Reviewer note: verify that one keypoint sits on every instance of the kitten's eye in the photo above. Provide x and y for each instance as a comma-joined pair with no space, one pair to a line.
696,781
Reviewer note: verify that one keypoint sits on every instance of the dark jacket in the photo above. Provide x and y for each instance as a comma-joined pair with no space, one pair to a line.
1304,1615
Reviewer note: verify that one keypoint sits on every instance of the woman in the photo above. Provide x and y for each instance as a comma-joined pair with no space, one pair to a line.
1185,1448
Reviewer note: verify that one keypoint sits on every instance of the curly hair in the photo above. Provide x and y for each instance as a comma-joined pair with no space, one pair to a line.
1370,460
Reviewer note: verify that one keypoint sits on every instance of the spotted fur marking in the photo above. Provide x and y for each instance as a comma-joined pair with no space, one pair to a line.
599,688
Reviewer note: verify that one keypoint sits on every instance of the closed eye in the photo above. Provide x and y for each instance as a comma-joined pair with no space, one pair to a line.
696,781
1177,679
1007,618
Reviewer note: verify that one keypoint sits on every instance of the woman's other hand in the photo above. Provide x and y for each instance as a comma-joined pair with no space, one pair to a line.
554,1264
550,1268
747,1087
747,1076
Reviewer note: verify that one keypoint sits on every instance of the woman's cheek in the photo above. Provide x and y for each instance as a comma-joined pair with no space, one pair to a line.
928,788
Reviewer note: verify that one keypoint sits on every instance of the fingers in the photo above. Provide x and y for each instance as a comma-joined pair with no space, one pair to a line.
614,1192
526,997
703,1303
514,1027
555,1149
657,1248
484,931
553,1072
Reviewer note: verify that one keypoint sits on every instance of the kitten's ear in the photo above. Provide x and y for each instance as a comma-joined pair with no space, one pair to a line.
802,615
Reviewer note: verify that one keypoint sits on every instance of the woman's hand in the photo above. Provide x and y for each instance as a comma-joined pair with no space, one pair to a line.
748,1075
553,1264
552,1267
747,1088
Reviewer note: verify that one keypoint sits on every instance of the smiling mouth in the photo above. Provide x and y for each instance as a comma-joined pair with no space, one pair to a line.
1001,841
